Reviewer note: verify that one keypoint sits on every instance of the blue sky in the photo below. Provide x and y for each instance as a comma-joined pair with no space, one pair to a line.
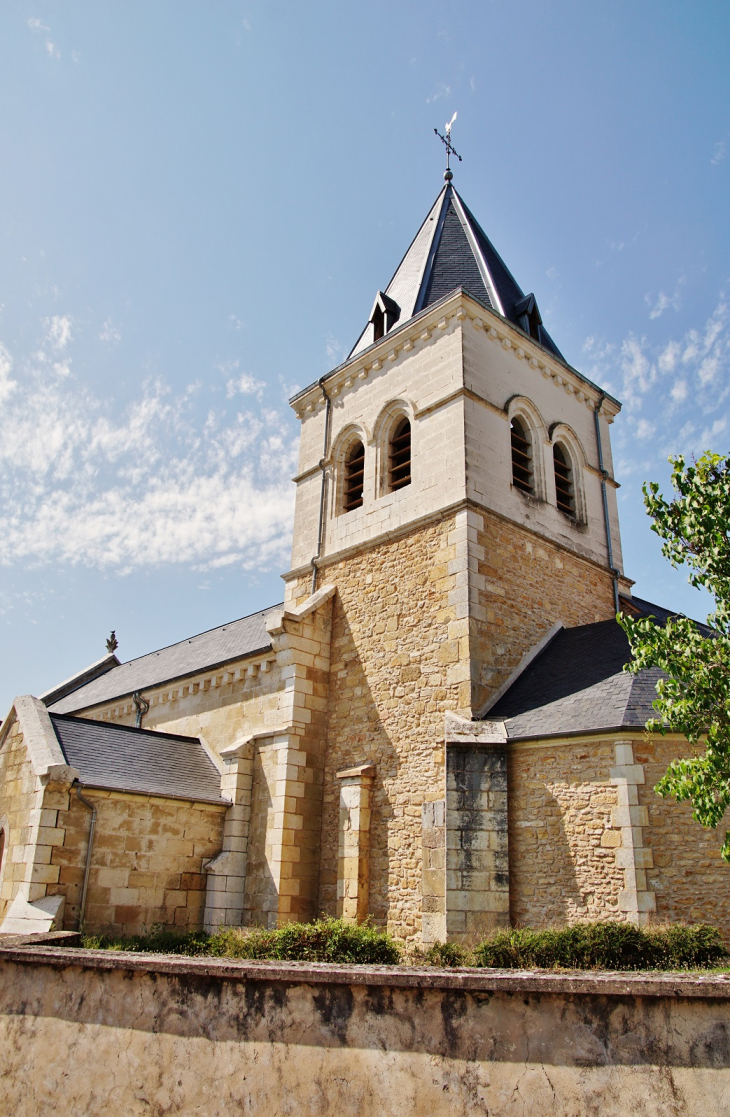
198,203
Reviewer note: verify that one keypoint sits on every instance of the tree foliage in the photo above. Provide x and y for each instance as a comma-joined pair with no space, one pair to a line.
694,696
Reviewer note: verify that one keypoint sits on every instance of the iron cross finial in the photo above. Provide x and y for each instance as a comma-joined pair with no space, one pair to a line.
450,149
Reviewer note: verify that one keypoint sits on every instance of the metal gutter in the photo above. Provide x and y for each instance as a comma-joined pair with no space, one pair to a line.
90,846
323,489
606,519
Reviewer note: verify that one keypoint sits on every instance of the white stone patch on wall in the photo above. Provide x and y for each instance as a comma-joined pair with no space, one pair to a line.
353,857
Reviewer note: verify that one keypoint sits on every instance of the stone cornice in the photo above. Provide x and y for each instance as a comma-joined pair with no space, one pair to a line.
457,307
431,518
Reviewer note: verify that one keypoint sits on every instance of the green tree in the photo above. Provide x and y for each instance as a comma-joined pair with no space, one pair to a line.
694,696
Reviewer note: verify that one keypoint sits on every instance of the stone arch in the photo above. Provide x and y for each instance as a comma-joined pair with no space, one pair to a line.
565,438
395,413
523,410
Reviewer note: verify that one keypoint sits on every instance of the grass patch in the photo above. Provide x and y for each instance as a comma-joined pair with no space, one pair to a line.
604,946
324,940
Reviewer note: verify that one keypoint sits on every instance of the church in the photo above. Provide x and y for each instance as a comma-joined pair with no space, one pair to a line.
434,729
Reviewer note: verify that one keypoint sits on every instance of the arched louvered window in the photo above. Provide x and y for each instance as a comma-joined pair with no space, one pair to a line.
399,473
2,851
564,486
522,472
354,476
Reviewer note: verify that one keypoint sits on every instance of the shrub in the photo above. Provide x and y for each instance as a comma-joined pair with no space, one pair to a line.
324,940
448,954
605,946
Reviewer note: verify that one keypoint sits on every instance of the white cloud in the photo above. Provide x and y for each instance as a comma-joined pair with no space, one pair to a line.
442,90
37,25
719,153
666,302
644,429
334,350
109,332
676,393
244,385
52,49
58,330
7,386
155,484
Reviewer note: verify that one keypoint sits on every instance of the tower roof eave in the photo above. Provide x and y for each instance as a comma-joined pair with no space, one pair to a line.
402,327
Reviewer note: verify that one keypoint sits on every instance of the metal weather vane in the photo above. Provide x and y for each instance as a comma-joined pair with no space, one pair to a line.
450,149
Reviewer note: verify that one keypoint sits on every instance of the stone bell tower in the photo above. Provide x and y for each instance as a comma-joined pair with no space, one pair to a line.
455,486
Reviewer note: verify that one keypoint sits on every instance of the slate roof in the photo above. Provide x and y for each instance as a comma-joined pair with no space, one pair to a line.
204,652
577,683
120,758
449,251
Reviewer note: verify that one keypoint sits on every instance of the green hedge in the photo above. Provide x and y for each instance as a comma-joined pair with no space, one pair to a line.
325,940
604,946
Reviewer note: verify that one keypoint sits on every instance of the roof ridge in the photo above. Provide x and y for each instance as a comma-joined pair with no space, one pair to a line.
188,639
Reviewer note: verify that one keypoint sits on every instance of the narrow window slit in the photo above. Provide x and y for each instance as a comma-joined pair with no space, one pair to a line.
400,456
564,488
522,475
354,477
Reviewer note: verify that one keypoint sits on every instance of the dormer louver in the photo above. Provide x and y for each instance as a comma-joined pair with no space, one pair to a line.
528,317
384,315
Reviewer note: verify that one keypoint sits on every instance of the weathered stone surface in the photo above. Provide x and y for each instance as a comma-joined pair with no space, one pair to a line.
184,1036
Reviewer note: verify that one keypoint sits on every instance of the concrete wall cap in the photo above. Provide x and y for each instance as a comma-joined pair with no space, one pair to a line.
357,770
458,730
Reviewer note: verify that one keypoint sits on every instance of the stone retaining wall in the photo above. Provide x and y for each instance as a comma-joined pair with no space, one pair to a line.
92,1032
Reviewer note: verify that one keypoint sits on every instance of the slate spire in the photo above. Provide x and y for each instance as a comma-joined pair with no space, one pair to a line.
451,250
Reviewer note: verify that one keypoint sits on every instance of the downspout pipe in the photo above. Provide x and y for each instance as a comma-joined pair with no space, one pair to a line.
323,489
90,846
604,496
142,707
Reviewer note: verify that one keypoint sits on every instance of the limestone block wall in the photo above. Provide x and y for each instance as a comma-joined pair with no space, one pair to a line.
458,372
34,781
20,795
502,369
421,375
520,584
147,860
562,838
399,660
219,706
689,879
